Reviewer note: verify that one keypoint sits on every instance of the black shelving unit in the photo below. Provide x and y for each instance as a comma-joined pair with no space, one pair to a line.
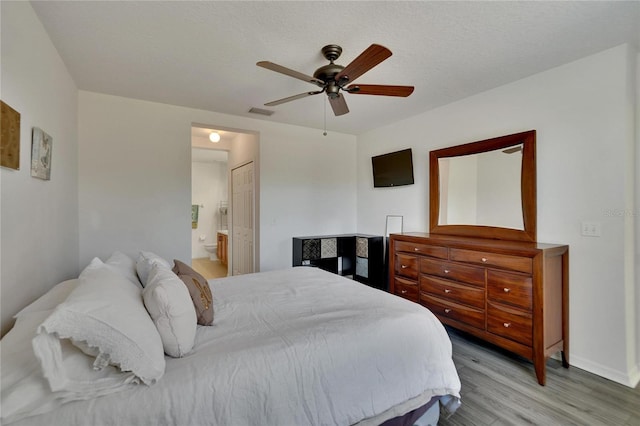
356,256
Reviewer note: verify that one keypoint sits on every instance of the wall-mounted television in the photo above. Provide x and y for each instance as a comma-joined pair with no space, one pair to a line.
393,169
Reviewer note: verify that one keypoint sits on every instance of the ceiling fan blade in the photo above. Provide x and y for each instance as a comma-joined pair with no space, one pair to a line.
339,105
368,59
291,73
292,98
382,90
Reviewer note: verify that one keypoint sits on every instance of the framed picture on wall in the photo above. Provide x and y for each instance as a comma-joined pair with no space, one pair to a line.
194,216
9,137
394,225
41,145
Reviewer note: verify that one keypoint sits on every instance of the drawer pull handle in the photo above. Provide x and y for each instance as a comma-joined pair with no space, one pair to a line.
446,290
447,310
446,271
416,249
506,290
403,266
484,260
403,291
506,324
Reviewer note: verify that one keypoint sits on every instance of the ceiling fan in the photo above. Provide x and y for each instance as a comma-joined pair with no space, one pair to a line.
333,78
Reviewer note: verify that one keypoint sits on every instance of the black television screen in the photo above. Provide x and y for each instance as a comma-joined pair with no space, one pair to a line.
393,169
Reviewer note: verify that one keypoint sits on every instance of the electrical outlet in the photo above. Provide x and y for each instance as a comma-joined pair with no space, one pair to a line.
591,229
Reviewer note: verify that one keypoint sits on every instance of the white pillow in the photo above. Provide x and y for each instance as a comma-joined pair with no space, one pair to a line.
50,299
107,313
168,301
145,262
125,265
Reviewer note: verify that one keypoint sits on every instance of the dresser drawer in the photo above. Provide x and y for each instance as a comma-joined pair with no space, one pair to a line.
512,289
515,263
452,271
465,294
406,266
509,323
407,289
422,249
447,309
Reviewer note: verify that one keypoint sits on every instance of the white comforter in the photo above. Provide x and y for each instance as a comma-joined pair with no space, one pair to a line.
294,347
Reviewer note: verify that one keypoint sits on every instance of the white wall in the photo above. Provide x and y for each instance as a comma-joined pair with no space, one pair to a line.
209,186
585,129
308,187
39,218
135,179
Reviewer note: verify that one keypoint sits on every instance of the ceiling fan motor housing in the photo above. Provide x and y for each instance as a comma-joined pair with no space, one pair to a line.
328,72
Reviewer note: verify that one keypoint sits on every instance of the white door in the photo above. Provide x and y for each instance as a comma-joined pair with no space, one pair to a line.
242,219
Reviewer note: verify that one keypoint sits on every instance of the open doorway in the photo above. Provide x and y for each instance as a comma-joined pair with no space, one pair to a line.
213,240
210,219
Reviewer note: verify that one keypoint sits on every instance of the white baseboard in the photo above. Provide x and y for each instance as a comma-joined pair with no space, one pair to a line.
634,376
630,378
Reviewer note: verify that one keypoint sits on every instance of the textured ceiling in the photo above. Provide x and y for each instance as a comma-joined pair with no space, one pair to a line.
203,54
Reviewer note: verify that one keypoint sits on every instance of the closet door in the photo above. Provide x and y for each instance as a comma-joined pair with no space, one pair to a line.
242,187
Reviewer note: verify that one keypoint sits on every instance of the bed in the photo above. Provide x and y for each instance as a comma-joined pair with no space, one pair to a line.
299,346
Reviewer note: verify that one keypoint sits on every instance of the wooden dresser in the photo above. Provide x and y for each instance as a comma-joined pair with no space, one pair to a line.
510,293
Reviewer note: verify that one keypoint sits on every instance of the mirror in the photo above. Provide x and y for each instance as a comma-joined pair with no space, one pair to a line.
485,189
482,189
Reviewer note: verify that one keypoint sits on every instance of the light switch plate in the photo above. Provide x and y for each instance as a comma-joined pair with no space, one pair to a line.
591,229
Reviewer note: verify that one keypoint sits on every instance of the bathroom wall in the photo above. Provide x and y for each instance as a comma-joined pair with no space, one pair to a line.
209,187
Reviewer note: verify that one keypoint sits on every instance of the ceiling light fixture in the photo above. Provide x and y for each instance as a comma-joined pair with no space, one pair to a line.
214,137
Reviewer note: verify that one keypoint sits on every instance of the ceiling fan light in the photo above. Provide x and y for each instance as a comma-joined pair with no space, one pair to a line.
214,137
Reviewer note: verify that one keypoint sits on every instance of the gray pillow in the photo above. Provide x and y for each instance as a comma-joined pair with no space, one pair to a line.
198,290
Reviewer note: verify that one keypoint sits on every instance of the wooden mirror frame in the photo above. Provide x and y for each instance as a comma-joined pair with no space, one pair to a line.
527,188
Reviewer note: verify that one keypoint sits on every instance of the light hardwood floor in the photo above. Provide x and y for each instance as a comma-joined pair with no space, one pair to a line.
499,388
208,268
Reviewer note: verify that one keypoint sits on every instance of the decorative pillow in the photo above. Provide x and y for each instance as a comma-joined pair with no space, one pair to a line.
50,299
107,313
145,261
172,311
198,290
125,265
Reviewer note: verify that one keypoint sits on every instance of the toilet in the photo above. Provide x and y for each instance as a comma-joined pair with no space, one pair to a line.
212,250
